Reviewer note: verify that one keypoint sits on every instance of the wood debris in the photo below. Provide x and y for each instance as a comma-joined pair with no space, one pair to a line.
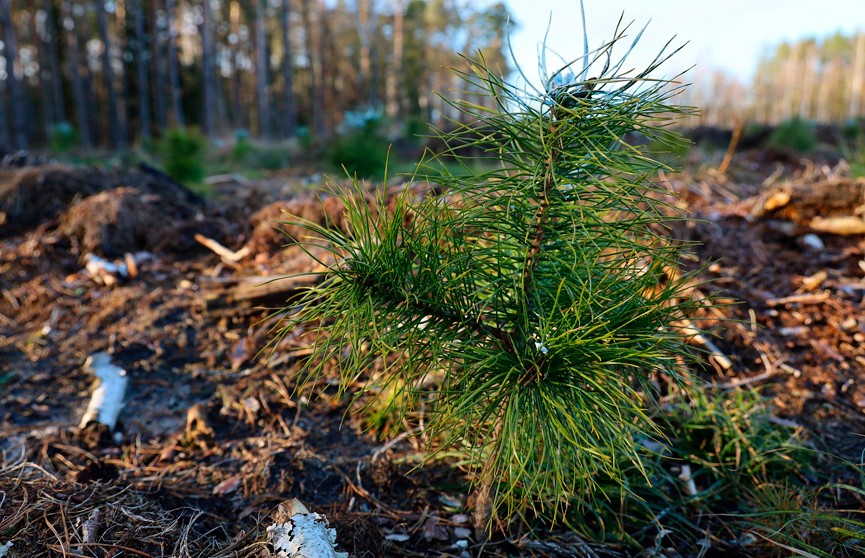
300,533
835,205
107,400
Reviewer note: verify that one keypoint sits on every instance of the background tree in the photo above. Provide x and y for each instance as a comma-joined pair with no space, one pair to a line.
13,77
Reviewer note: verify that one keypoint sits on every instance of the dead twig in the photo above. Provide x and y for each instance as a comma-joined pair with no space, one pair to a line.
227,255
731,148
716,356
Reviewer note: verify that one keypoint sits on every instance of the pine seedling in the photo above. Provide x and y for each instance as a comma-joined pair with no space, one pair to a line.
530,307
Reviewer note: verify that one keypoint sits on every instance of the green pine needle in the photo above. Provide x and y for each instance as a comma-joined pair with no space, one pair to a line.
529,306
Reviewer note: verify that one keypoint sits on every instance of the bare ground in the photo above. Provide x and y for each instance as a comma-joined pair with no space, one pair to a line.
213,438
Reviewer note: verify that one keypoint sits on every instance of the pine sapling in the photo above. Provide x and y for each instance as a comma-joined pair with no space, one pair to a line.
530,307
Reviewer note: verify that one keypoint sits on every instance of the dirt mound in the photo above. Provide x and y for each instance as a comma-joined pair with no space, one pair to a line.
31,196
272,227
117,221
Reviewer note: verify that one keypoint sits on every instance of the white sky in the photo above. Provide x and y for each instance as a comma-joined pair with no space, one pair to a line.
726,34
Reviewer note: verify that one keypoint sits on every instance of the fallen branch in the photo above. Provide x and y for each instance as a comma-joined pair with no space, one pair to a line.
224,292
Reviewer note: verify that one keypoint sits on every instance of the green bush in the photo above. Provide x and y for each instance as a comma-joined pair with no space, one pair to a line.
243,148
361,152
796,135
247,155
64,138
182,152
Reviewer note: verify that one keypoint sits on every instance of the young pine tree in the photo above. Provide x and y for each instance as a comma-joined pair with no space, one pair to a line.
529,306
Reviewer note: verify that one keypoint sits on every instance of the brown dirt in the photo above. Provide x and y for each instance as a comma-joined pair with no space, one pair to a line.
212,439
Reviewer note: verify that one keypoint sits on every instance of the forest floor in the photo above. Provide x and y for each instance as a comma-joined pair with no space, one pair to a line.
212,437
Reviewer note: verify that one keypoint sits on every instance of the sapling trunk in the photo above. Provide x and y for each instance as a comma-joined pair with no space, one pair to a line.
528,305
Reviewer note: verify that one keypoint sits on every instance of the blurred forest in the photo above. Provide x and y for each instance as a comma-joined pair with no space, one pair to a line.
810,79
112,73
115,73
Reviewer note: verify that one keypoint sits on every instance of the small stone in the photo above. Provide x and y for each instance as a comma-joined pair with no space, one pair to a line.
811,241
462,532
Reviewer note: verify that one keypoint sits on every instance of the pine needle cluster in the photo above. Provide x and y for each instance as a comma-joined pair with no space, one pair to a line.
531,307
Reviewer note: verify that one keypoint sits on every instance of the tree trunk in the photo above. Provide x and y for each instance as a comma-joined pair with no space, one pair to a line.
364,17
75,69
320,102
261,65
393,84
287,71
238,118
42,43
115,124
141,61
13,81
315,89
158,67
125,95
209,87
808,79
5,139
173,70
52,55
854,108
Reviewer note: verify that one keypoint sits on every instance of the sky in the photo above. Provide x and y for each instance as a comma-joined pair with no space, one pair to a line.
728,34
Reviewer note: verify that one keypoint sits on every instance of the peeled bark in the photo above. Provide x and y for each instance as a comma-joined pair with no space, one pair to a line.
299,533
107,400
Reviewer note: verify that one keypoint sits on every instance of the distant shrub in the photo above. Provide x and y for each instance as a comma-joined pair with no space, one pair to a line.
64,137
249,155
796,135
362,151
271,158
852,146
242,149
182,153
853,129
416,128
